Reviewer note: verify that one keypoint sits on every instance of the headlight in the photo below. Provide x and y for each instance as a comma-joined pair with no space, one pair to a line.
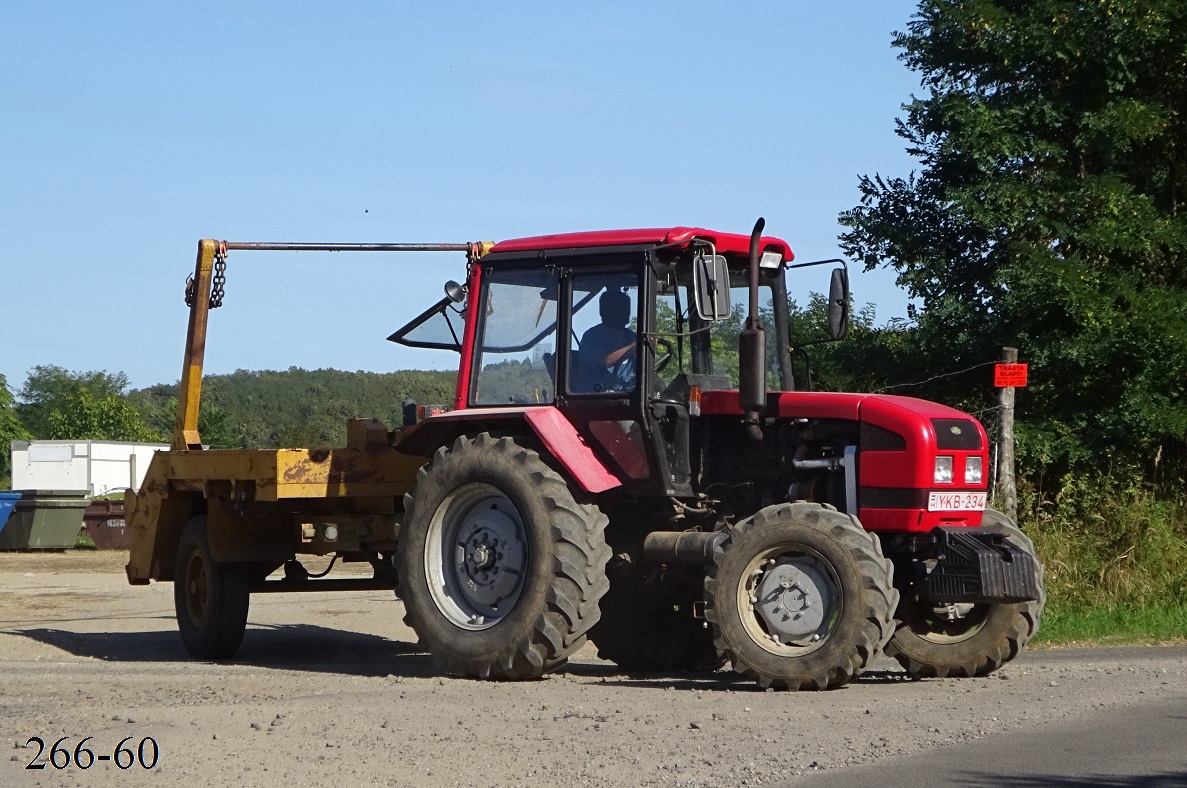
943,473
972,470
770,260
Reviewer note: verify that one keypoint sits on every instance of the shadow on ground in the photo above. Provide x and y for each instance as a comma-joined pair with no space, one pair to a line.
1163,780
304,647
715,680
311,648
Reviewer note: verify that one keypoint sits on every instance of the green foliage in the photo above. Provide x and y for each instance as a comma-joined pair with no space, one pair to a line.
11,430
1115,558
85,417
62,405
514,381
1107,544
863,361
1048,215
296,407
1107,625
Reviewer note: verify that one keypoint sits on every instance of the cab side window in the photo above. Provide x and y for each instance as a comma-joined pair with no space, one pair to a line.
604,345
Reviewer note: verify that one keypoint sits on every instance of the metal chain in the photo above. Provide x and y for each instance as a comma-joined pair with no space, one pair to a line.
219,283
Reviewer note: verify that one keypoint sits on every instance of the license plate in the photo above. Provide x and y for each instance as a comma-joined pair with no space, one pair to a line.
955,502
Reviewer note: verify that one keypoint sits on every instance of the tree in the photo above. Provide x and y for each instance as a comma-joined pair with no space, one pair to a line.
62,405
11,430
1048,214
294,407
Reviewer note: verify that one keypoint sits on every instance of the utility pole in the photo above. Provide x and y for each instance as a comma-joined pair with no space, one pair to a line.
1007,490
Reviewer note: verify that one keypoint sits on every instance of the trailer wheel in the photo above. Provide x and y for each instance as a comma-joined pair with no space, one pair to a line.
969,640
501,569
647,621
211,598
800,597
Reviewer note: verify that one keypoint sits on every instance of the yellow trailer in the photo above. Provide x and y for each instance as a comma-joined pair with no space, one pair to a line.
219,523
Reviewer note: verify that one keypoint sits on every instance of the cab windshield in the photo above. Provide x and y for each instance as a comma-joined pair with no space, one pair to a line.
709,349
517,338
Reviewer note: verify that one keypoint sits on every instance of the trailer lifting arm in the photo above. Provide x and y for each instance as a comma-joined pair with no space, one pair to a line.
210,252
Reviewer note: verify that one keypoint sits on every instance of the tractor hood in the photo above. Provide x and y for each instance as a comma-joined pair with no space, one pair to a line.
873,408
900,438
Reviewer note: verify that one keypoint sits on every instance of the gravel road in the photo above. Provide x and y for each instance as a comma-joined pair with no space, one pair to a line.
330,689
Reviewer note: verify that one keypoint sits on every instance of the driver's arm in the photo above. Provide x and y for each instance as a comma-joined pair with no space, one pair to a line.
617,355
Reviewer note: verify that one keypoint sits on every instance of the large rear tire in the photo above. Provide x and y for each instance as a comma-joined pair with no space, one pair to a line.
211,598
800,597
501,568
977,642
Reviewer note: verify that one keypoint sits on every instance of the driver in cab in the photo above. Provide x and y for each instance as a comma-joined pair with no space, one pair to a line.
607,350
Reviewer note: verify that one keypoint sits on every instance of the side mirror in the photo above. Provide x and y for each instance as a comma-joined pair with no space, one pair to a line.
455,292
838,304
711,287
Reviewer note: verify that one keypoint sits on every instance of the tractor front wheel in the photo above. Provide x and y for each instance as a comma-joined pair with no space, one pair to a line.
800,597
501,568
211,598
966,640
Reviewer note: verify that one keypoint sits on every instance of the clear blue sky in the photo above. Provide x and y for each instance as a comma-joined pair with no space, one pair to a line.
130,130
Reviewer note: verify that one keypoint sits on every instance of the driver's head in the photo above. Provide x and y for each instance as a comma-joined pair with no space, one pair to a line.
615,308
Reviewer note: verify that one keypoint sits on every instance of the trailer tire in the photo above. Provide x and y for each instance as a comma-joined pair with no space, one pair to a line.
647,621
987,637
211,598
800,597
501,568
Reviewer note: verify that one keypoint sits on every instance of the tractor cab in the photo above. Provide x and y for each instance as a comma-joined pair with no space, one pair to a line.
622,332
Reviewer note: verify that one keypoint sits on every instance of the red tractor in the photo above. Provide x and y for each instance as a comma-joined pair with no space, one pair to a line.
622,462
626,460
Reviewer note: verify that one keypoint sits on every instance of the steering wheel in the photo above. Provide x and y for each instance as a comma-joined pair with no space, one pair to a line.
666,358
623,373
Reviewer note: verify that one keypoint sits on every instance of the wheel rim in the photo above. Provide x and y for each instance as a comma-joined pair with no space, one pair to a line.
931,623
790,600
476,557
197,589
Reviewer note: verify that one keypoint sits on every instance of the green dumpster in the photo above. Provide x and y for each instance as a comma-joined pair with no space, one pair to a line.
44,520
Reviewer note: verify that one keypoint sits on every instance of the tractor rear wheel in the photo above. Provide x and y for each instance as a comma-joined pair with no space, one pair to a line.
501,568
211,598
966,640
647,621
800,597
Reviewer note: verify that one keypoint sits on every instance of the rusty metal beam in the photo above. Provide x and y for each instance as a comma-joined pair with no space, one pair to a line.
189,399
266,246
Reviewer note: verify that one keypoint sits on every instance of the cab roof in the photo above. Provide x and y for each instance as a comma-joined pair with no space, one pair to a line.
725,243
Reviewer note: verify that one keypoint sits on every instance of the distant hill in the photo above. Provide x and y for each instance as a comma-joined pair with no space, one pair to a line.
296,407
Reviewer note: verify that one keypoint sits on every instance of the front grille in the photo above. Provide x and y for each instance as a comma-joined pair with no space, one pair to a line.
957,434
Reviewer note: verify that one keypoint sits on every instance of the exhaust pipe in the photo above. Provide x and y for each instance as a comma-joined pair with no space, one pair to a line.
752,351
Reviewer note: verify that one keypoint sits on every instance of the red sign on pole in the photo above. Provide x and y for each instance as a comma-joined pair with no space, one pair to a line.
1007,375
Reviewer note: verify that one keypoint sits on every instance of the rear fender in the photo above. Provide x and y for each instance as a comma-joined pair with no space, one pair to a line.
561,440
156,515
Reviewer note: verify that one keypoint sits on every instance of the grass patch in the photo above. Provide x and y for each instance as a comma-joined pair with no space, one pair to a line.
1116,564
1113,626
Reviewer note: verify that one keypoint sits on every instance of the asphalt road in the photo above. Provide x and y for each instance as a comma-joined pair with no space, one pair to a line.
1140,746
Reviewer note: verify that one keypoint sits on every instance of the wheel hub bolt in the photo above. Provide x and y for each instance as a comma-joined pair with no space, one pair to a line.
483,556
